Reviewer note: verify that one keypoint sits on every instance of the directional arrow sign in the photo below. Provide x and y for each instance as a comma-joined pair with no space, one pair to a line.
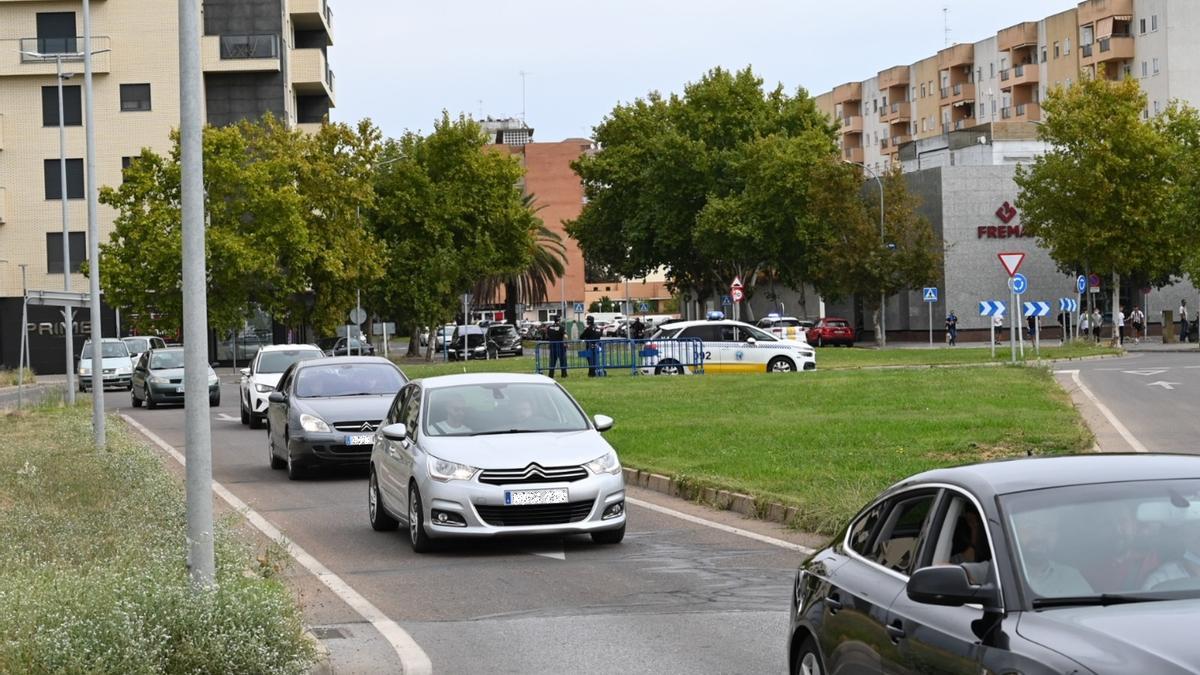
991,308
1037,308
1011,261
1068,304
1145,373
1164,385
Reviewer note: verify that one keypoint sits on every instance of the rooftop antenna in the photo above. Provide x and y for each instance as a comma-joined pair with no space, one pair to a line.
480,102
946,23
523,74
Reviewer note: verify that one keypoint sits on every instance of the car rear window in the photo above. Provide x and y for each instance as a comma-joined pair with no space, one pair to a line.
349,379
277,362
138,345
839,324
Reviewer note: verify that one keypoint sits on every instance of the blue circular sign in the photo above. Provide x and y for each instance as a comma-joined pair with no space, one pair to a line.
1019,284
1081,284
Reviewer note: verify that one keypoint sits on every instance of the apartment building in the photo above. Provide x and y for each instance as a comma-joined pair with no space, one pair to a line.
258,56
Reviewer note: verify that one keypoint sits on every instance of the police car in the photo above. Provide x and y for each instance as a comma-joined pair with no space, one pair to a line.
729,347
786,327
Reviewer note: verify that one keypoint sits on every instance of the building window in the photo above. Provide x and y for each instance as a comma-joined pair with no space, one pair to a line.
56,33
1043,53
54,253
992,70
1145,70
135,97
72,106
1056,50
54,179
1066,46
979,74
1156,107
1142,26
1155,61
1154,22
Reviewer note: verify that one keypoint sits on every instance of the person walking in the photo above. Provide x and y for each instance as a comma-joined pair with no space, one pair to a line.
1138,319
1119,326
1183,321
998,325
558,349
637,329
1084,326
591,338
1097,324
952,328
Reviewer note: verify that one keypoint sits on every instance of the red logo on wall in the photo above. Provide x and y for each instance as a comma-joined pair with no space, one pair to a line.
1006,213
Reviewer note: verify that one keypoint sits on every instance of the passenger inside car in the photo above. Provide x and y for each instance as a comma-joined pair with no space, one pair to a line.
1038,533
453,418
1182,573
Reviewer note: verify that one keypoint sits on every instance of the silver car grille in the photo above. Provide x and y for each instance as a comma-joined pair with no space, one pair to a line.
533,473
359,427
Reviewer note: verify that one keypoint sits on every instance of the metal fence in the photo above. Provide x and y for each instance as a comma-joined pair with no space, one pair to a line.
676,356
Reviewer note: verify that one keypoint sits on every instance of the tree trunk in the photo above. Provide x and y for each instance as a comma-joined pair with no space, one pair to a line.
414,340
1116,304
878,333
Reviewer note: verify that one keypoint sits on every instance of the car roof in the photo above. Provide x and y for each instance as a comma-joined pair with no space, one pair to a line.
704,322
1035,473
442,381
106,340
337,360
281,348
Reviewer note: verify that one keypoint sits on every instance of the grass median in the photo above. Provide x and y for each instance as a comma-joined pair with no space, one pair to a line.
92,570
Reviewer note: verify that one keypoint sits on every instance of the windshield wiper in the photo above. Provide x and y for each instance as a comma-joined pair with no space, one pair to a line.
1103,600
355,393
509,431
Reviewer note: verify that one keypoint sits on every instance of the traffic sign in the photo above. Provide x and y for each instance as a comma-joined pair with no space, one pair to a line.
737,283
991,308
1011,261
736,294
1081,284
930,294
726,300
1093,283
579,308
1068,304
1037,308
1018,284
358,315
643,308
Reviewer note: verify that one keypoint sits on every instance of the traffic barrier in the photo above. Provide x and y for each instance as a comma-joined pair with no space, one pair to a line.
672,356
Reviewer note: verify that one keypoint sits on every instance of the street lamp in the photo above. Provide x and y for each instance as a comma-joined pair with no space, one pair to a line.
882,293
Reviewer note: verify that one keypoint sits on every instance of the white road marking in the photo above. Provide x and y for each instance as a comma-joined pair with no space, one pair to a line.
722,527
1112,419
412,658
1164,385
553,552
1157,371
222,417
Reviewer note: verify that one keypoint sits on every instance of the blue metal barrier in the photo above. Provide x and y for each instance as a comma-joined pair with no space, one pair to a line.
674,356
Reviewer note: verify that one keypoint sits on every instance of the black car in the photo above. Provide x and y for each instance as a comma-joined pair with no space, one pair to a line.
507,339
324,412
338,347
473,345
1084,564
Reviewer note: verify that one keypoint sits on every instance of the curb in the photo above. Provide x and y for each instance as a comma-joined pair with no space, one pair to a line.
321,665
724,500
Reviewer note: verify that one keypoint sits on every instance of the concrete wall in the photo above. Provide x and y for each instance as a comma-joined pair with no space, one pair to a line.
1183,56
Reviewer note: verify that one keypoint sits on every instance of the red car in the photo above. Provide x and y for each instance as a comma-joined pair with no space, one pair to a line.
831,331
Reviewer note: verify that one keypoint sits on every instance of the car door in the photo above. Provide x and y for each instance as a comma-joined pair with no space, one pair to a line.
386,468
277,413
409,453
138,379
882,545
709,337
248,381
944,639
755,348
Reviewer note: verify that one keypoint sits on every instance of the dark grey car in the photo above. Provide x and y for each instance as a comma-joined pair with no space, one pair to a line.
507,339
1087,564
158,379
324,412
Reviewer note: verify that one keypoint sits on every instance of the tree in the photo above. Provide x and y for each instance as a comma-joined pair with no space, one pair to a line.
450,214
277,202
711,184
1181,125
1101,200
547,263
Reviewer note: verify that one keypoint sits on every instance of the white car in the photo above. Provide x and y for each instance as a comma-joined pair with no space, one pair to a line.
260,378
138,344
786,327
730,347
118,367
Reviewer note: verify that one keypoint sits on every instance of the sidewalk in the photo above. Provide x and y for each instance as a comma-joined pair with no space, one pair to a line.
1155,344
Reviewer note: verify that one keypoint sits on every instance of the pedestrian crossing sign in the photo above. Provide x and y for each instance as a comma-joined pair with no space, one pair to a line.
931,295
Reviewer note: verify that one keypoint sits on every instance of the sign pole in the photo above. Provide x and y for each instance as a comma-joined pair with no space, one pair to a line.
1037,336
930,304
992,332
1020,330
1012,326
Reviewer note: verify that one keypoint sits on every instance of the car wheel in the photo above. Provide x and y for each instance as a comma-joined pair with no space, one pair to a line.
520,351
245,413
150,402
133,399
294,470
668,367
275,461
808,659
781,364
609,536
214,401
256,422
417,536
381,521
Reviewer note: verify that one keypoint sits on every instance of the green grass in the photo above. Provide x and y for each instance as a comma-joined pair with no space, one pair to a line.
9,378
92,569
836,357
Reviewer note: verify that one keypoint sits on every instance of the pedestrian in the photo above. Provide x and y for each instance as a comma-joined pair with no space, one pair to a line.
998,325
638,329
1119,326
1097,324
1183,321
1083,324
1031,321
1139,324
558,349
591,338
952,328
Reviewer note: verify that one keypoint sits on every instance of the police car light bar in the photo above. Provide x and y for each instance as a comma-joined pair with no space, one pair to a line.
715,315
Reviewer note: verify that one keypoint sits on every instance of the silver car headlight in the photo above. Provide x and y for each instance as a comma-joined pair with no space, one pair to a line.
444,471
313,423
85,371
154,379
263,388
124,371
606,463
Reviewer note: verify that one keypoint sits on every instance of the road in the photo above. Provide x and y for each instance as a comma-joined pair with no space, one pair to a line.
1153,396
675,597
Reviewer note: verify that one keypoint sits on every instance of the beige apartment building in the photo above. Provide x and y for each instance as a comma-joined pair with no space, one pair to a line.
258,56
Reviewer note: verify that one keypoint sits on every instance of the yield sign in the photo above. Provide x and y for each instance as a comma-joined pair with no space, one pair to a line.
1011,261
737,283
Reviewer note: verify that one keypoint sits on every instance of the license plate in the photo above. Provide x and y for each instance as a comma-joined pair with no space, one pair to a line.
360,439
178,390
526,497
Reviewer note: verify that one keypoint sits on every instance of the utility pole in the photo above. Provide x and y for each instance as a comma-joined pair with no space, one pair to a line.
68,312
23,357
93,195
198,432
882,242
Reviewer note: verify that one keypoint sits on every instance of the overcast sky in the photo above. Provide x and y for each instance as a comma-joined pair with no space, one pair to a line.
401,62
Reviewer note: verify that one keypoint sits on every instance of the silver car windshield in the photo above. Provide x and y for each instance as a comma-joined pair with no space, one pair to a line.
1139,538
162,360
480,409
349,379
278,361
110,350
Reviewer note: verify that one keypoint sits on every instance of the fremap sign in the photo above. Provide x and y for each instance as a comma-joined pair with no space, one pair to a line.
1005,230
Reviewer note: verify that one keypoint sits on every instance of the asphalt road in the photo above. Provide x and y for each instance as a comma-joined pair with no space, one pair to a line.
675,597
1154,396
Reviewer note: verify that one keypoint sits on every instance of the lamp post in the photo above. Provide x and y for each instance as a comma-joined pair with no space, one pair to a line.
882,293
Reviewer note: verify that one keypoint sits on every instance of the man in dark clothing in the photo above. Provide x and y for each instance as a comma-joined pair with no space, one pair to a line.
638,329
591,336
952,328
558,350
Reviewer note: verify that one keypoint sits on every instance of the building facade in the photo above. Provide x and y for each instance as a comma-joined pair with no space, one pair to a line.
258,56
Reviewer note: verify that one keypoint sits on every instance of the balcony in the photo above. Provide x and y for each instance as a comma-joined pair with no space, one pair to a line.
853,155
311,74
852,124
901,111
1015,37
901,139
1092,11
1114,48
15,56
240,53
309,127
896,76
313,15
1019,75
851,91
1025,112
958,93
958,55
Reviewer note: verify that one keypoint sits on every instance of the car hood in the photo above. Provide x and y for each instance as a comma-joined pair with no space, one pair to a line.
515,451
110,362
167,372
1148,637
347,408
269,379
796,343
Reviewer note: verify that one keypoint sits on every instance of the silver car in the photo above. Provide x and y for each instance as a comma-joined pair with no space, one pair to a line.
494,454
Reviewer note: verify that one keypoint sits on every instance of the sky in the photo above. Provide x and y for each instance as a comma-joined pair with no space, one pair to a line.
402,62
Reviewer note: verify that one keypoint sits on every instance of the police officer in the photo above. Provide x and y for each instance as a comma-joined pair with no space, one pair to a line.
591,336
558,349
638,329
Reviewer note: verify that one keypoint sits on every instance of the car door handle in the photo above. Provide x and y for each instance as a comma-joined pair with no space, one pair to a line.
895,631
833,604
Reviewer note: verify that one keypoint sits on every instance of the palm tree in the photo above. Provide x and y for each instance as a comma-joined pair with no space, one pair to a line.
548,257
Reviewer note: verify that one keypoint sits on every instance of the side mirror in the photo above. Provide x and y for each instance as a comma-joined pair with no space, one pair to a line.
395,432
751,340
950,586
603,422
277,397
244,371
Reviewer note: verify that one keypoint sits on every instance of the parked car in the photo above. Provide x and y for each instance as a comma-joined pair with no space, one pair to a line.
470,342
337,347
445,334
138,344
493,454
732,347
158,379
831,331
785,327
324,412
117,365
507,339
263,373
1045,565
